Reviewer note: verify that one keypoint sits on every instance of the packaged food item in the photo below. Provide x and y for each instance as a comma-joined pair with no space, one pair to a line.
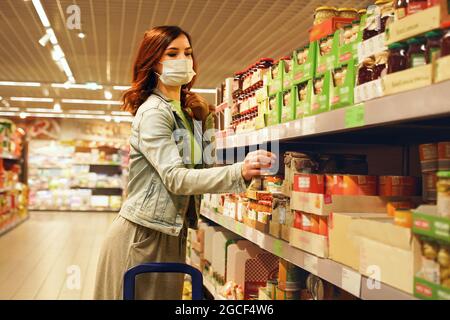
428,157
302,91
398,60
429,188
346,35
339,76
324,13
306,221
387,13
433,45
416,52
403,218
445,42
394,205
334,184
443,194
289,275
318,85
355,30
298,220
381,60
326,45
366,71
315,224
360,185
323,226
444,156
350,13
400,8
416,6
310,183
392,186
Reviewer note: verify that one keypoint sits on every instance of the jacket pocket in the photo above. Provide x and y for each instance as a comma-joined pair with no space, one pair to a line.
149,194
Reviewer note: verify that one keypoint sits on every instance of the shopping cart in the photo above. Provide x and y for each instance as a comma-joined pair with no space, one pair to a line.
129,281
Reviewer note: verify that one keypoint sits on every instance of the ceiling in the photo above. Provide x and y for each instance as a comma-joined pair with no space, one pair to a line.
227,36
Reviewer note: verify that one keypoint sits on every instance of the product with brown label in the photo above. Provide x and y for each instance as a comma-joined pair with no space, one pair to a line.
354,185
429,188
401,186
310,183
444,156
416,52
429,157
397,61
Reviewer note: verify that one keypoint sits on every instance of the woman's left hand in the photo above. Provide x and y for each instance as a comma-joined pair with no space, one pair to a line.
199,106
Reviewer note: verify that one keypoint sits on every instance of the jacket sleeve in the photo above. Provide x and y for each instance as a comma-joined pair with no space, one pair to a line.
157,144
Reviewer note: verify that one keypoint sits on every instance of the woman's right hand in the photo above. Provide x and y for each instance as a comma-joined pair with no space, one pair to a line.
255,161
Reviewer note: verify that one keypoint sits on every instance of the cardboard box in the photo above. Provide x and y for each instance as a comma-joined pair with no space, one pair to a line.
327,27
274,109
310,242
263,227
346,52
301,96
327,62
320,204
409,79
287,73
418,23
320,101
389,250
305,71
342,248
310,183
249,219
342,95
442,69
424,289
287,105
275,78
426,222
285,232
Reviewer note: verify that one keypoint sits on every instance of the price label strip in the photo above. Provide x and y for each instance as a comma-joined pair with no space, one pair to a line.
277,248
351,282
239,229
355,116
310,263
309,125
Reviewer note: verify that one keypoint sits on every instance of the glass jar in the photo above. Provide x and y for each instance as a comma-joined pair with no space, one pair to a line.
400,8
416,52
445,42
398,60
372,24
387,13
324,13
433,45
365,71
362,12
416,6
349,13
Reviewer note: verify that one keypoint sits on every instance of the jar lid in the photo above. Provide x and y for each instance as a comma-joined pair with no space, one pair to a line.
443,174
347,9
323,8
378,2
362,11
397,45
412,41
433,34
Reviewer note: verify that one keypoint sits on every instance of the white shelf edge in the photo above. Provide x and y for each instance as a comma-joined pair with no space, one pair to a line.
327,269
417,104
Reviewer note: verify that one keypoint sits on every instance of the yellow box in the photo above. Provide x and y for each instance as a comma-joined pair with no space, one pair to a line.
442,72
409,79
310,242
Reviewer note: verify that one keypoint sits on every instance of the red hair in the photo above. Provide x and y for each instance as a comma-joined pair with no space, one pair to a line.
151,50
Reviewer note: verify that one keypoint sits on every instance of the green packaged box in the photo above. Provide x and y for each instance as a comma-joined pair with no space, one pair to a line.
262,94
274,109
343,85
302,93
427,290
348,38
326,54
275,78
287,73
287,105
320,97
304,63
429,225
260,121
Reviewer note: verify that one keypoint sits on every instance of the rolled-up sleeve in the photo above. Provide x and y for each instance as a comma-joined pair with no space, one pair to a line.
157,144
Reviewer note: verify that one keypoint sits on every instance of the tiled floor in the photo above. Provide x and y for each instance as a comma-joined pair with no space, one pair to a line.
53,255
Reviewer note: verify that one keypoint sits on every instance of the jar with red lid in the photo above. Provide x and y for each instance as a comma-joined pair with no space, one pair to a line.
433,45
397,60
416,6
445,41
416,52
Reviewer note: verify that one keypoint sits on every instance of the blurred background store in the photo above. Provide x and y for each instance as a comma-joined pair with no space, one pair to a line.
348,91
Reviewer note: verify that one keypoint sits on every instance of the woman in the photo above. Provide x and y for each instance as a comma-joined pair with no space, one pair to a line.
165,181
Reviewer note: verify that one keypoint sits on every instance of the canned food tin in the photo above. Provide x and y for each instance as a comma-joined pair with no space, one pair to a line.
392,186
444,156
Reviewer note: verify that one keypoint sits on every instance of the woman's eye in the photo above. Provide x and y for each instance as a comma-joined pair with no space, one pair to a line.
172,55
188,54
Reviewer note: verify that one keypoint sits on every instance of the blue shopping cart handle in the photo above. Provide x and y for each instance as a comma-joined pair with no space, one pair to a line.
129,281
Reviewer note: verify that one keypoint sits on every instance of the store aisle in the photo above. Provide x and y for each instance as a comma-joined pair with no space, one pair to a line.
42,258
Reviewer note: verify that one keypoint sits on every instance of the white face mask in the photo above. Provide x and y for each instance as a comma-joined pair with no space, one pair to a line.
177,72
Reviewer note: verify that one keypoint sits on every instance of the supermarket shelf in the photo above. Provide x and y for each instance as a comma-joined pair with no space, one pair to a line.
331,271
97,188
69,210
212,289
14,225
9,156
420,104
98,164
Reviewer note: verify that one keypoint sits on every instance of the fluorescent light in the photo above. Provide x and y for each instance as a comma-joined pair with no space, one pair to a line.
108,118
108,95
44,40
81,35
52,36
27,99
200,90
120,113
57,107
66,69
40,10
22,115
84,101
10,109
88,86
7,113
57,53
121,88
87,111
41,110
20,84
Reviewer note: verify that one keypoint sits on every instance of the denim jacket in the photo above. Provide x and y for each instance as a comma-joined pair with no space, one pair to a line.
160,183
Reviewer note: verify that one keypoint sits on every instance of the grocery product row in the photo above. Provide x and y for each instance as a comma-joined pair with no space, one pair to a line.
76,175
13,190
346,62
327,205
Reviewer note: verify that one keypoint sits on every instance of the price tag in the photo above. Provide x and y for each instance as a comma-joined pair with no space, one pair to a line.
277,248
309,125
351,281
239,229
220,219
248,232
310,263
260,239
355,116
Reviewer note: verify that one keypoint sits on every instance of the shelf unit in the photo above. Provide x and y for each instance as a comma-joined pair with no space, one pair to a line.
331,271
14,225
425,103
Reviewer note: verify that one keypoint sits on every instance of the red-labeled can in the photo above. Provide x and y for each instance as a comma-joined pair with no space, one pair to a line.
356,185
429,157
392,186
334,184
444,156
310,183
298,224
